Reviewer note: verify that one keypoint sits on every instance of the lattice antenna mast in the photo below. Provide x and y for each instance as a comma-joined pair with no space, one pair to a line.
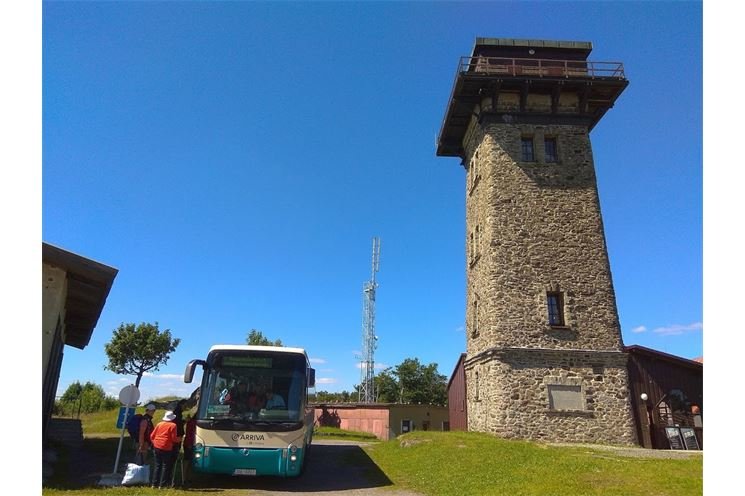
369,339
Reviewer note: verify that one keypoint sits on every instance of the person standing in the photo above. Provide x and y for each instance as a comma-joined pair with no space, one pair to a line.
178,411
164,437
143,435
190,433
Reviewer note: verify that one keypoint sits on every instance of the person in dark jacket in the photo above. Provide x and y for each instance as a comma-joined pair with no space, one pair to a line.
190,432
179,421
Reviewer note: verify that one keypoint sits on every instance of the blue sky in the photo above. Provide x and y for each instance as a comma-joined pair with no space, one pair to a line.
234,161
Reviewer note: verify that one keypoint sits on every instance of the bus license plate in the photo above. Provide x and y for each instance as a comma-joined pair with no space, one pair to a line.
244,471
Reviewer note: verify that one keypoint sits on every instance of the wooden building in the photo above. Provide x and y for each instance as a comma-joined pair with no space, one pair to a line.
666,392
457,404
74,291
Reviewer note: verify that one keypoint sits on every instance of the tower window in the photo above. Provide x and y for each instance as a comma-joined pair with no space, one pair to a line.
555,302
477,386
526,150
473,171
550,150
475,317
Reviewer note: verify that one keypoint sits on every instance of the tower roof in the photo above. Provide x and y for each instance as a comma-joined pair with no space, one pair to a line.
519,67
579,50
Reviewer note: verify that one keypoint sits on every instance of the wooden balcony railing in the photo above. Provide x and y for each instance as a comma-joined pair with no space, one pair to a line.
549,68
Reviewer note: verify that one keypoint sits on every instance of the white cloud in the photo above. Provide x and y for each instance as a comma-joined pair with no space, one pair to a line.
326,380
639,329
678,329
378,366
317,361
460,329
168,376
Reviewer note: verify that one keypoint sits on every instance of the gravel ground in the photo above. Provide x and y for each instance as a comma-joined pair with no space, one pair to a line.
635,452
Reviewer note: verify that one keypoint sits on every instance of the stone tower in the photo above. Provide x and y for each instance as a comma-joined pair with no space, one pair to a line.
544,351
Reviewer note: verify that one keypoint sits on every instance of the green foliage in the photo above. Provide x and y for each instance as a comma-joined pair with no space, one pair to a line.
84,399
387,389
134,350
459,463
412,382
256,338
326,397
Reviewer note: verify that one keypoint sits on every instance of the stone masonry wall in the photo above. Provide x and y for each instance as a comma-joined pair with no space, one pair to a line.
534,227
539,229
508,396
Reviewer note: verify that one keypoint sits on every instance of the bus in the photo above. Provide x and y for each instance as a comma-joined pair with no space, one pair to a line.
240,428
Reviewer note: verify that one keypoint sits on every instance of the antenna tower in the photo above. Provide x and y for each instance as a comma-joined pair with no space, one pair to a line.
369,339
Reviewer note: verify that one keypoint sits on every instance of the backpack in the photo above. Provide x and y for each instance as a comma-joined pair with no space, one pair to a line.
133,426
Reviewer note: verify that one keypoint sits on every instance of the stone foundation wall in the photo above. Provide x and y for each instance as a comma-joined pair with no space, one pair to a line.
508,395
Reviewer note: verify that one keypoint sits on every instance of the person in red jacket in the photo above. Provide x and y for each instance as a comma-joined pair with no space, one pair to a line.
164,437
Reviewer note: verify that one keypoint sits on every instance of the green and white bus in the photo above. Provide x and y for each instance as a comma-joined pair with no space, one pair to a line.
239,432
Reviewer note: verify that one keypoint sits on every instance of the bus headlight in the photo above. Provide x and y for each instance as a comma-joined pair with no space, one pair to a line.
198,447
293,452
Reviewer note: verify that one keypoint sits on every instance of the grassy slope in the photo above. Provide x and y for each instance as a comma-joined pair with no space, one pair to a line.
459,463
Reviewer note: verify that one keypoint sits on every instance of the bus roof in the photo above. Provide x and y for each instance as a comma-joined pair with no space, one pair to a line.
245,347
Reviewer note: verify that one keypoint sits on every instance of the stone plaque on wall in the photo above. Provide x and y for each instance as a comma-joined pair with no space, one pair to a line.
565,397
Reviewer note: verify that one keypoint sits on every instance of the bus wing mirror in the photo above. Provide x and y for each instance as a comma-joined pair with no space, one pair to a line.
311,377
189,372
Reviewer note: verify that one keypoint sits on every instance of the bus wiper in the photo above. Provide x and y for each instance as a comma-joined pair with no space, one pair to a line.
221,423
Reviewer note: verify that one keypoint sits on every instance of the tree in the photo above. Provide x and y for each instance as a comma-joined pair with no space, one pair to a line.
256,338
134,350
412,382
86,398
387,389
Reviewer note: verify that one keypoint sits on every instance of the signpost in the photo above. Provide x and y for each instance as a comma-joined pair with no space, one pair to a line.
128,396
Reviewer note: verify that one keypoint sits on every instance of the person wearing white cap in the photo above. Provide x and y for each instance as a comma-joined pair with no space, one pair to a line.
164,437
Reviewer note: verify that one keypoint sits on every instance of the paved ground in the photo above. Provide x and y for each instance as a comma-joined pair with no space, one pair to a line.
634,452
333,468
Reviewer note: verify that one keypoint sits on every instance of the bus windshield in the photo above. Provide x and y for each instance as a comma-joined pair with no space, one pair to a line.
253,387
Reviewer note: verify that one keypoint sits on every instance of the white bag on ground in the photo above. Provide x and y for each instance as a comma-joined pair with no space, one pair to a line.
136,474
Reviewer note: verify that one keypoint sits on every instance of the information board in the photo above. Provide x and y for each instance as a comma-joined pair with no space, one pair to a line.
120,419
676,440
689,438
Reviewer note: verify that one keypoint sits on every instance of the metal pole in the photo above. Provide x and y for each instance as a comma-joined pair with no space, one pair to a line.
121,438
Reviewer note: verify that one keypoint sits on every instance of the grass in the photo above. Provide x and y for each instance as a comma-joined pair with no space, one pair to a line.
102,424
336,433
459,463
464,463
